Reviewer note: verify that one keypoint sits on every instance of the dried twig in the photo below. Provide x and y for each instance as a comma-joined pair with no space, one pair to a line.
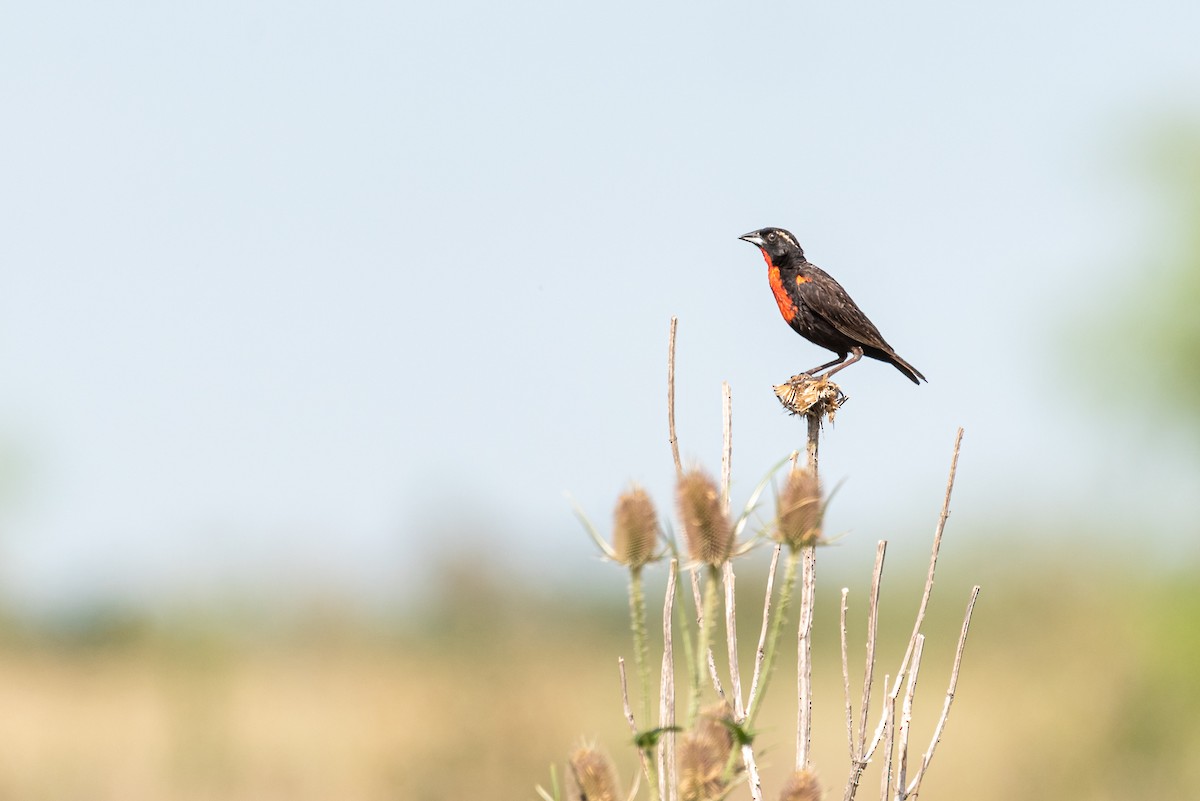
668,777
889,725
647,767
937,544
625,697
814,437
752,777
709,659
735,674
735,680
808,579
761,653
906,718
858,761
872,634
915,787
846,674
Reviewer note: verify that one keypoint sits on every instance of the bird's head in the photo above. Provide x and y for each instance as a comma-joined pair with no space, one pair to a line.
777,245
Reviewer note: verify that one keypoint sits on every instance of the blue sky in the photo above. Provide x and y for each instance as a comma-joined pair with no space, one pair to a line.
299,295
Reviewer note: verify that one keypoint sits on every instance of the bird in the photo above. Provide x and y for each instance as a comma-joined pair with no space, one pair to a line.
819,309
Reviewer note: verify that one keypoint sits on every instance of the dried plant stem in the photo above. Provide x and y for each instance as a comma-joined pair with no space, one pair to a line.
808,581
858,761
668,780
906,718
761,653
648,766
767,650
735,681
735,673
933,557
915,787
846,673
752,778
889,726
814,436
674,440
872,635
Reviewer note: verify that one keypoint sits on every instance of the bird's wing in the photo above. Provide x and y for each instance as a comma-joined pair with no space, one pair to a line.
825,297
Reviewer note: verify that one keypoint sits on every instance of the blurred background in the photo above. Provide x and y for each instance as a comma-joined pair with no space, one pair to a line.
312,314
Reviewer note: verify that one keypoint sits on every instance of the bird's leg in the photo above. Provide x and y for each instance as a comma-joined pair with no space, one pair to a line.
856,353
813,372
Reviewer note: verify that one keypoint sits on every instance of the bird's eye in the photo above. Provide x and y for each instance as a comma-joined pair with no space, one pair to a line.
771,237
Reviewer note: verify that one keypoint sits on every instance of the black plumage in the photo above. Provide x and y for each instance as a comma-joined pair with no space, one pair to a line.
819,309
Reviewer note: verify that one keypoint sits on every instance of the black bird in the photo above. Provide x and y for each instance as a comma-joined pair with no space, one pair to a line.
817,307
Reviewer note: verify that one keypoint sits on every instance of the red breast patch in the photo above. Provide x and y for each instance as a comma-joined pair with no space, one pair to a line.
787,306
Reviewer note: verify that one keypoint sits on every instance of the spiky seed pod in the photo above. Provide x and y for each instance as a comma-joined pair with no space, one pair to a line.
635,528
595,777
706,526
802,785
703,753
798,518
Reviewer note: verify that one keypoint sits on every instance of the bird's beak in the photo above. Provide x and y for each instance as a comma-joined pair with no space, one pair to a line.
753,238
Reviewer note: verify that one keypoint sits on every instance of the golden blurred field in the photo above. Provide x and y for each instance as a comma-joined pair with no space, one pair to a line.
1086,687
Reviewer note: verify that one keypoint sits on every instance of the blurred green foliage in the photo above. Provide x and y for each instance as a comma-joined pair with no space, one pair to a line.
1152,327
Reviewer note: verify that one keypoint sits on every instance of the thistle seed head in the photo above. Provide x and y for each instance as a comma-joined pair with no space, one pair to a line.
802,785
703,753
706,525
595,777
798,517
635,528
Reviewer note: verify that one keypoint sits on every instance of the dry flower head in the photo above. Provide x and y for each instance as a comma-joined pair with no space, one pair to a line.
706,525
635,528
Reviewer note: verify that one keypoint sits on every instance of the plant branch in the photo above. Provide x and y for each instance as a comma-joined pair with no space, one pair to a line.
889,725
704,652
858,761
846,673
758,689
808,579
761,652
643,753
915,787
906,718
933,557
872,636
668,782
735,673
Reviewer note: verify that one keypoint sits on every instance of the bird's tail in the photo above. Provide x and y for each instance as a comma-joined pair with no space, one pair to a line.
914,375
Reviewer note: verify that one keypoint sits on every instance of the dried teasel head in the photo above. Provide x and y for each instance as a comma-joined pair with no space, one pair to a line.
706,525
798,516
803,394
595,777
802,785
703,754
635,528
